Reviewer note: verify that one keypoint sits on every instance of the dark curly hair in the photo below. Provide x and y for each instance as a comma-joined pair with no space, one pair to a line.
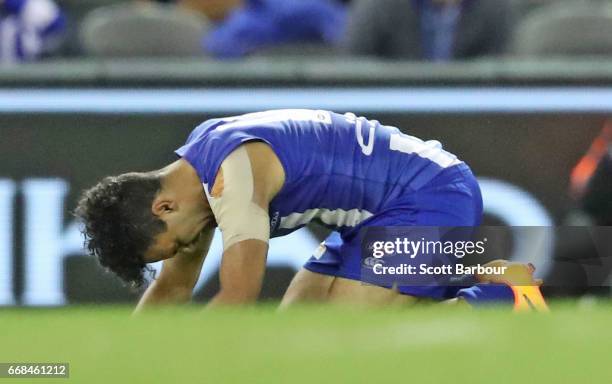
118,223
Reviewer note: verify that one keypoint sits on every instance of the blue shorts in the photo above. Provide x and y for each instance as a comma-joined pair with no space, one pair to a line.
452,199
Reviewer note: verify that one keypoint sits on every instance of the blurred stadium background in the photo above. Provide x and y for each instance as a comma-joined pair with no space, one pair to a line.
120,85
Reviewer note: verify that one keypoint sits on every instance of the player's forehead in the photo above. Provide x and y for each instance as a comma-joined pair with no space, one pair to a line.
163,246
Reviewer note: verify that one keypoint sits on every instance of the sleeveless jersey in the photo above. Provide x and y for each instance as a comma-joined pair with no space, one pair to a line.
339,169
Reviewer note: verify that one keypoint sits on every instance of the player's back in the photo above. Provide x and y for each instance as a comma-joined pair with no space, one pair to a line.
339,169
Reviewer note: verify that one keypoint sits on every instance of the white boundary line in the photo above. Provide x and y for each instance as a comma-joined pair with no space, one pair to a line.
362,100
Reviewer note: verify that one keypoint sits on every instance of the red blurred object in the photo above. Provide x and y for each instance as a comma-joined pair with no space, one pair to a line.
584,170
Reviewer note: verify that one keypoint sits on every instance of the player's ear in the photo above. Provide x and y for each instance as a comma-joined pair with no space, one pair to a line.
162,206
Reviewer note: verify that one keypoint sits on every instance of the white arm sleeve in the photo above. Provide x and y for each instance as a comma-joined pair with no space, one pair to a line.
238,216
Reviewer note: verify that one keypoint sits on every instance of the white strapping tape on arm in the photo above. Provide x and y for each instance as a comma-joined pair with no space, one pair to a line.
238,217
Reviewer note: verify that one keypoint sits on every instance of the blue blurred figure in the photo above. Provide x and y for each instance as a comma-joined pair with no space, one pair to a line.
260,24
29,29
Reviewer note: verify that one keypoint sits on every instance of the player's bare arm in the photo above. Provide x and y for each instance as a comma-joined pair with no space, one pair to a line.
179,275
241,215
247,181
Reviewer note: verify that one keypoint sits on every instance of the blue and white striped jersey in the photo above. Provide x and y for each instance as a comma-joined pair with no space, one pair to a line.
29,29
339,169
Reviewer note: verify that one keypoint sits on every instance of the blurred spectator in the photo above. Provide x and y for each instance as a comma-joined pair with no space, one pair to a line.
261,24
435,30
29,29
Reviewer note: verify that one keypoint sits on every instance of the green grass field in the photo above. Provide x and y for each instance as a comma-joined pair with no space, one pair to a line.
314,345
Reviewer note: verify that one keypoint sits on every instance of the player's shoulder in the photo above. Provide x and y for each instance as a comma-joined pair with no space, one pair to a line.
255,166
261,157
265,125
269,117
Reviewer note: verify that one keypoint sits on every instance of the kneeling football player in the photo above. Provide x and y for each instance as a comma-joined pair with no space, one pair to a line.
267,174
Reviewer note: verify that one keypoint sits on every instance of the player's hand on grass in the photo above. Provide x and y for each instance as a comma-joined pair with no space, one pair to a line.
516,274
